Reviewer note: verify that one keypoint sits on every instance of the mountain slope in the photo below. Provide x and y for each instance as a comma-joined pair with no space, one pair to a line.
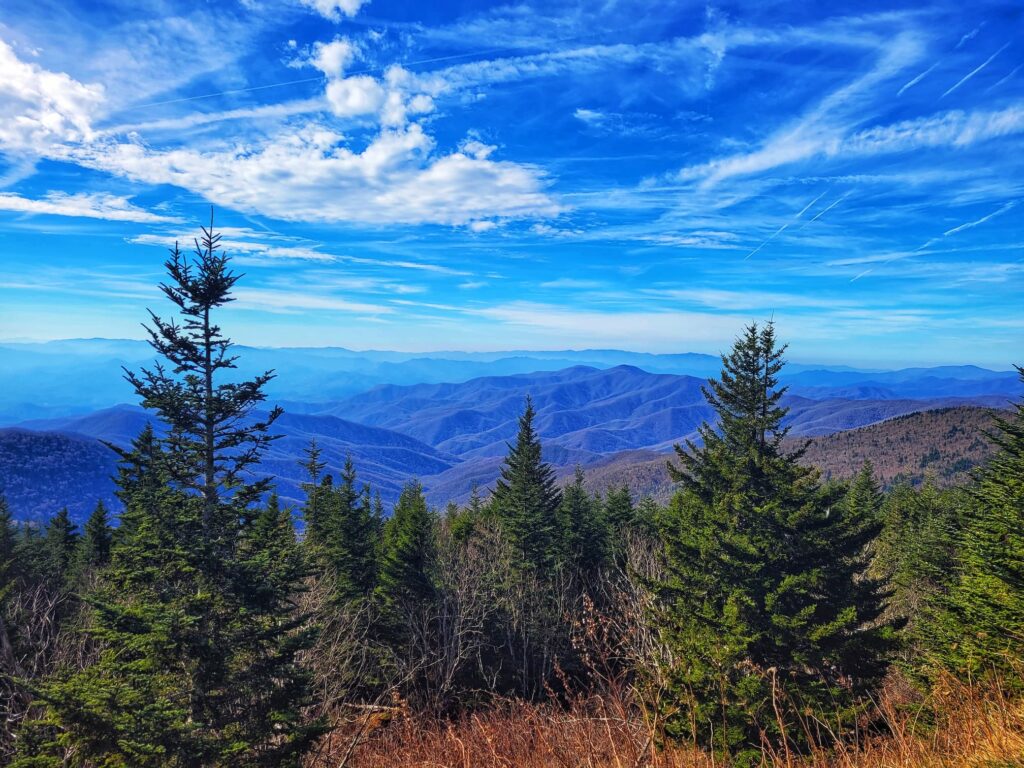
40,472
941,446
383,458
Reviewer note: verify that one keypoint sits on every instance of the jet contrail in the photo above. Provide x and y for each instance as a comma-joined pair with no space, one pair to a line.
917,79
975,71
780,230
826,210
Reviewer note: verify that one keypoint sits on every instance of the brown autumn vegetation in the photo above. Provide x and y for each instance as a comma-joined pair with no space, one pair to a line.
958,725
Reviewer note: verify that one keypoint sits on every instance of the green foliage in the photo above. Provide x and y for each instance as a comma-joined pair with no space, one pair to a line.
407,555
584,530
346,534
197,638
766,600
618,509
59,544
93,550
526,500
977,630
8,549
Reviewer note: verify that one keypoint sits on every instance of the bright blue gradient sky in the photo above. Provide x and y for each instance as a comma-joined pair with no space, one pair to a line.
463,175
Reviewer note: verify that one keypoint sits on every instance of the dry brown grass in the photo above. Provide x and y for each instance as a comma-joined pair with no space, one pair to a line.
974,728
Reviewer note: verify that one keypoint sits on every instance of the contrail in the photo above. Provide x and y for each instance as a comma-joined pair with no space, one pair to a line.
970,35
826,210
804,209
970,224
982,220
1002,80
917,79
975,71
780,230
858,277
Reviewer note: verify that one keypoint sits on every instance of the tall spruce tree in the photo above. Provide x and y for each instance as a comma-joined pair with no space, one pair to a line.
583,529
407,554
198,654
765,600
8,546
351,538
526,499
977,631
60,543
93,550
314,510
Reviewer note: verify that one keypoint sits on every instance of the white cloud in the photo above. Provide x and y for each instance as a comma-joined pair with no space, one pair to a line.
252,245
312,175
257,246
584,326
82,205
332,58
354,96
589,116
947,129
334,10
39,108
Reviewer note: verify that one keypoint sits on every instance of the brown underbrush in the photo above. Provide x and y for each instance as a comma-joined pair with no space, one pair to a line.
956,725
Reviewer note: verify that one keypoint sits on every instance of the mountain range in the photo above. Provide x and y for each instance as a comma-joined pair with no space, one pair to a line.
77,376
454,435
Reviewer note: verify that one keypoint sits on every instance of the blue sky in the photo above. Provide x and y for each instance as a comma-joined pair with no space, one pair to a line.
463,175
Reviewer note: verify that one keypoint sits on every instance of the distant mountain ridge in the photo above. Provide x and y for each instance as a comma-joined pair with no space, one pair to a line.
454,435
77,376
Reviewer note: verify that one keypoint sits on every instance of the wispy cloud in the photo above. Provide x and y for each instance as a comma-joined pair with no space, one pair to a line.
88,205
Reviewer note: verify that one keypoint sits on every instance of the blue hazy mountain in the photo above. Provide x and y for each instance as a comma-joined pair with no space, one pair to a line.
454,435
77,376
83,467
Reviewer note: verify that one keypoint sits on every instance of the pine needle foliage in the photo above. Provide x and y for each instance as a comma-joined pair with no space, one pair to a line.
766,598
195,622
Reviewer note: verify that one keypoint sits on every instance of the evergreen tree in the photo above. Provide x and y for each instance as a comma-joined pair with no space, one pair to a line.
60,543
317,489
766,598
526,499
94,546
197,662
978,630
618,508
8,549
8,574
583,528
407,555
351,538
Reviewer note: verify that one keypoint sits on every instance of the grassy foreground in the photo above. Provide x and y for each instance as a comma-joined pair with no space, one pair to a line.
968,726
